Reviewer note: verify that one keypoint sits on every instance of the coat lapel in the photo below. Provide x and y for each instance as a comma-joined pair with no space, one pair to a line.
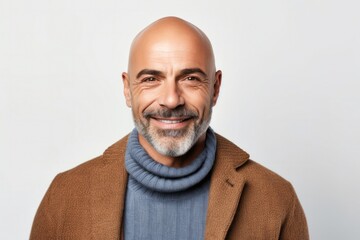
108,189
225,189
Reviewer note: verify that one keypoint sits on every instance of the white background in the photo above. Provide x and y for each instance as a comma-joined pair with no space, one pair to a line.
290,94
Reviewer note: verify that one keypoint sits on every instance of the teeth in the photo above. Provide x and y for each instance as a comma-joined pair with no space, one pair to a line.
170,121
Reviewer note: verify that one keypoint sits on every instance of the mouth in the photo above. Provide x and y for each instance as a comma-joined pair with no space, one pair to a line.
171,123
171,120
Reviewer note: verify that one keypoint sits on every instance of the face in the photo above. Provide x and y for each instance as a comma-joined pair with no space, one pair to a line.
171,89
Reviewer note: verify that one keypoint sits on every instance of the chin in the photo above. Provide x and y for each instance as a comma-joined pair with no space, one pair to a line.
173,147
172,143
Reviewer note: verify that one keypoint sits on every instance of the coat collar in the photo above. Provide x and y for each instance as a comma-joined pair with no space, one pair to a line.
108,198
226,186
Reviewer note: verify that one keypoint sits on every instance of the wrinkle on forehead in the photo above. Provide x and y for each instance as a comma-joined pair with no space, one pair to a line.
171,35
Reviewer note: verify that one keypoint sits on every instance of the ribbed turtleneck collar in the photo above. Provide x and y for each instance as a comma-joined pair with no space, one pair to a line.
154,176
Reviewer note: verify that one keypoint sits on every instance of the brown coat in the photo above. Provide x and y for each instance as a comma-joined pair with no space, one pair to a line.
246,200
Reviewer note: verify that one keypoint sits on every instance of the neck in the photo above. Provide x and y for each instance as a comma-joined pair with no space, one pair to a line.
176,162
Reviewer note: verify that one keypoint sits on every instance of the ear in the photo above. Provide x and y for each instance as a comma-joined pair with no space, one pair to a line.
127,92
217,84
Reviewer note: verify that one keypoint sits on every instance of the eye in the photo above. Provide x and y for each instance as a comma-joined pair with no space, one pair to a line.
149,79
192,78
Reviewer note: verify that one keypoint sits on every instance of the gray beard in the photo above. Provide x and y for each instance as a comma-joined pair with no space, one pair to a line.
173,143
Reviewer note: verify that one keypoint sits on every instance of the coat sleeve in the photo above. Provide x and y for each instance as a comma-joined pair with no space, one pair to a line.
44,226
295,225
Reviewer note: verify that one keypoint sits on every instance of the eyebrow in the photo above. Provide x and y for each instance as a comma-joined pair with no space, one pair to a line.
148,72
185,71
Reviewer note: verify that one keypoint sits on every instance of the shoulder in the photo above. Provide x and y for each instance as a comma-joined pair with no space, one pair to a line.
256,172
268,203
264,182
74,194
111,160
259,179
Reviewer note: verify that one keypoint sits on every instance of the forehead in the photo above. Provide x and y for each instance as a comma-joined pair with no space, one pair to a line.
174,55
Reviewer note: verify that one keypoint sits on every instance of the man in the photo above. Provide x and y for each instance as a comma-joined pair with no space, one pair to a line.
172,177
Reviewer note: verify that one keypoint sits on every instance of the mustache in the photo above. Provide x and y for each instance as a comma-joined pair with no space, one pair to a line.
181,112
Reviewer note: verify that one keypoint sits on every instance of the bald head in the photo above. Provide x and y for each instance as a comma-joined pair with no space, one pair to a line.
171,35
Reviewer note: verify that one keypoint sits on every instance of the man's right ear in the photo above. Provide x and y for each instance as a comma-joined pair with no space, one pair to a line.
127,92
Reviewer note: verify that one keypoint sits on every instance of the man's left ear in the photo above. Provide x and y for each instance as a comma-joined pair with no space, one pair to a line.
217,84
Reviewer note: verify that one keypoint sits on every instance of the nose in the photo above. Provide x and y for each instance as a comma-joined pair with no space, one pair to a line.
170,95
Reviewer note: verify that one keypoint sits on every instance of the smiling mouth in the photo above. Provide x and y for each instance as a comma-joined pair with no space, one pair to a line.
172,120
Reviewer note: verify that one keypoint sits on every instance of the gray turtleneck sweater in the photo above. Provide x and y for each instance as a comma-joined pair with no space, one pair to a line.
164,202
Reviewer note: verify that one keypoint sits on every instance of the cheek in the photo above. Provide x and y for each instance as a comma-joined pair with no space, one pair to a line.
143,99
200,100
